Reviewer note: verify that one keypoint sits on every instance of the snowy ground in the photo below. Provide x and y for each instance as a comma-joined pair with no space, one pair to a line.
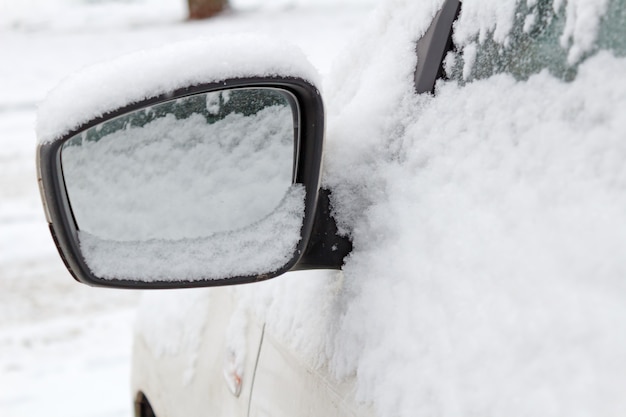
64,347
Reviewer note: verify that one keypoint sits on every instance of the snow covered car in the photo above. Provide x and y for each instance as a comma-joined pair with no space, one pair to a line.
460,253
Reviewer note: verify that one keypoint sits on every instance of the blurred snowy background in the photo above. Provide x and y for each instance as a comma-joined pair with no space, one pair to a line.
64,347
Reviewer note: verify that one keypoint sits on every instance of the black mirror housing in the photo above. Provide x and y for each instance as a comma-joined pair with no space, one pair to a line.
307,156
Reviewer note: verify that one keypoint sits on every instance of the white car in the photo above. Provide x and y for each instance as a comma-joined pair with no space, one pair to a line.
461,252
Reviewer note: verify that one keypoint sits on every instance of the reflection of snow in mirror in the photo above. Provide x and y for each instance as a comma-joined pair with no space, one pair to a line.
262,247
182,178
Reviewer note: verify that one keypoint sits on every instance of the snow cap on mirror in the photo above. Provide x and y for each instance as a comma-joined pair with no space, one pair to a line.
96,90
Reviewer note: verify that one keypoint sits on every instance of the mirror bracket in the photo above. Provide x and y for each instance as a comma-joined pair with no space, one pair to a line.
326,249
433,46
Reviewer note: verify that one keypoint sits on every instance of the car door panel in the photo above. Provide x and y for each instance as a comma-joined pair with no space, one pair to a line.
285,387
195,375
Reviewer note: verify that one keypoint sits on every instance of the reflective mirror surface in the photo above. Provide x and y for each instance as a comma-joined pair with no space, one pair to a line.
194,179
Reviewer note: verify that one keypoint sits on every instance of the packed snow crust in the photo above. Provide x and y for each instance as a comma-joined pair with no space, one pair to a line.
105,87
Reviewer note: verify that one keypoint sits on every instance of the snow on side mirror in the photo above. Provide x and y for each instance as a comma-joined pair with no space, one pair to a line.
210,183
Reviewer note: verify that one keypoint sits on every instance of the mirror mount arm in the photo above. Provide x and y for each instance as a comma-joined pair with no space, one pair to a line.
432,48
326,248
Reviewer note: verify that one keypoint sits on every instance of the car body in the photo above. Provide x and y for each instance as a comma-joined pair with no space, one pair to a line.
479,178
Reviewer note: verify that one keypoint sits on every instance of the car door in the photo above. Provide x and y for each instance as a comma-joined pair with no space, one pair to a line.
284,386
194,351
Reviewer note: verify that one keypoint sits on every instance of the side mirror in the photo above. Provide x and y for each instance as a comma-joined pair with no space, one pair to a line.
208,184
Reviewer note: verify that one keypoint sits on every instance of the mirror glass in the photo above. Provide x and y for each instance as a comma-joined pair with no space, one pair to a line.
193,179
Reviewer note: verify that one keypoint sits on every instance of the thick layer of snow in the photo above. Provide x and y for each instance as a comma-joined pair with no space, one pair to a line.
488,270
260,248
110,85
496,250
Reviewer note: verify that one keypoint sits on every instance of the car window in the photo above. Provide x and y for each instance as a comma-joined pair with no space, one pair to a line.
538,40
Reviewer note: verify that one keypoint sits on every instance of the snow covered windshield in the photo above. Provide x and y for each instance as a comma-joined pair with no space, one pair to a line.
198,174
